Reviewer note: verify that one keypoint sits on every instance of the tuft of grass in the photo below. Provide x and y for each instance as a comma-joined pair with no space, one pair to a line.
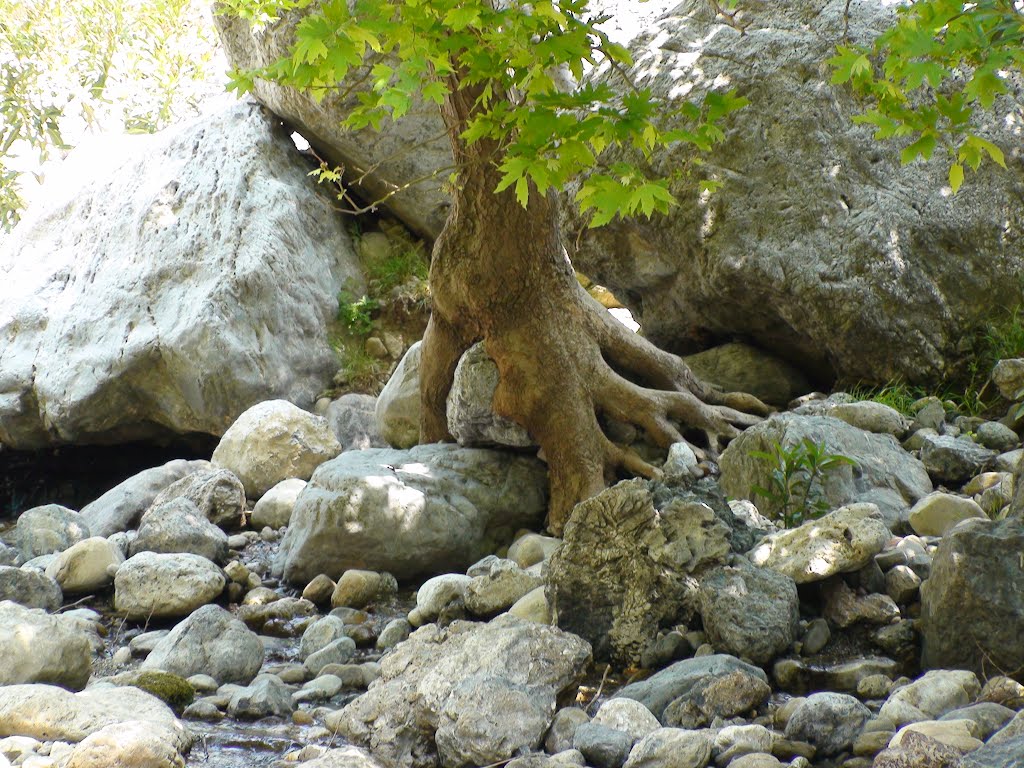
402,265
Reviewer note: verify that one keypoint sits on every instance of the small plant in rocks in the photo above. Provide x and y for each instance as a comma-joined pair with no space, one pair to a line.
794,488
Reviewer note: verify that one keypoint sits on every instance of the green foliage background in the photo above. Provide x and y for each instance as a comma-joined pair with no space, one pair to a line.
69,67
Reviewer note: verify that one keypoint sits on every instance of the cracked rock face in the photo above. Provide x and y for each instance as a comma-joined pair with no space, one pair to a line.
189,276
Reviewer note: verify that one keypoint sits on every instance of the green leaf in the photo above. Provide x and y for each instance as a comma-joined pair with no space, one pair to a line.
461,17
988,147
435,91
923,147
956,176
849,64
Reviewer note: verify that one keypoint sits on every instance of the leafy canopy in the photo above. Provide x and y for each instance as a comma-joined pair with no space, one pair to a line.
547,133
926,75
68,67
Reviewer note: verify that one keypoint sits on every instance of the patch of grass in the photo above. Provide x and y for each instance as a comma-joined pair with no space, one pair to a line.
357,314
405,263
1005,339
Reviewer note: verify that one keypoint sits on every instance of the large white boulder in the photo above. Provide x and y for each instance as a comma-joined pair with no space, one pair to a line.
168,286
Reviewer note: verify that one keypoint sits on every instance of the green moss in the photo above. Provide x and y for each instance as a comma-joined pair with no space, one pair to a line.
173,690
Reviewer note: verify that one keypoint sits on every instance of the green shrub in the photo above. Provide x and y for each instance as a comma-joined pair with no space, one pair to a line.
794,493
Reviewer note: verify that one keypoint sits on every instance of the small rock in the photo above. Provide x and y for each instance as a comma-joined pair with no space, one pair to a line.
48,529
266,696
533,606
274,509
736,740
339,651
532,548
319,590
930,696
602,746
828,721
844,608
954,733
954,461
937,512
563,728
83,567
996,436
630,717
393,633
357,589
671,748
437,593
902,584
816,637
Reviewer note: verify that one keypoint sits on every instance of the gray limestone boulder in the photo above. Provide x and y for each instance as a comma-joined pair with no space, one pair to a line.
432,509
1005,754
623,531
180,526
820,247
748,611
884,474
274,441
42,648
687,691
210,642
122,506
397,412
151,584
383,154
30,588
423,691
352,419
47,529
193,275
217,493
972,606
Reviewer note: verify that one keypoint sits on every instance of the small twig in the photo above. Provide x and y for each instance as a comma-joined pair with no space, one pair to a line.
731,18
846,21
77,602
600,688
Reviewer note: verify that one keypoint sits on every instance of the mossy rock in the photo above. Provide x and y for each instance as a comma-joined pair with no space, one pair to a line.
173,690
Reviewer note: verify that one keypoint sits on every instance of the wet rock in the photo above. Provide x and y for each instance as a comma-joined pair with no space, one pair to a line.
274,441
488,719
179,526
673,747
47,529
840,542
747,611
164,585
274,509
210,641
289,616
930,696
122,506
29,588
433,508
266,696
338,651
701,689
885,475
344,757
217,493
954,461
426,669
321,633
601,745
937,512
42,648
620,530
972,606
828,721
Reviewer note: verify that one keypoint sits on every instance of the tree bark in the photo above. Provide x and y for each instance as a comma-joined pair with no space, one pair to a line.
499,273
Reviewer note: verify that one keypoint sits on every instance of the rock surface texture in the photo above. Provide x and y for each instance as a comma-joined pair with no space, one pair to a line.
431,509
820,245
191,277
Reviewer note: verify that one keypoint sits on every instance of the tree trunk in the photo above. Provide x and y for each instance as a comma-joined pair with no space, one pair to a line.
499,273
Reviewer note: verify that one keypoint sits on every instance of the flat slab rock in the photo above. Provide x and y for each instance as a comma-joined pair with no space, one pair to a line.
433,509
